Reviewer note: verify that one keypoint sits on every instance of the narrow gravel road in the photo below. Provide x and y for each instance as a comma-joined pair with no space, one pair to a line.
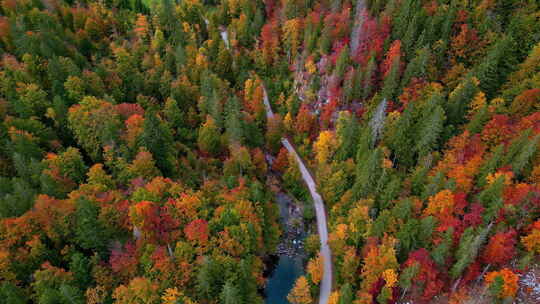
326,282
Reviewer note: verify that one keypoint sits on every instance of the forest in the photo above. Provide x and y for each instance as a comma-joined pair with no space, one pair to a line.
139,163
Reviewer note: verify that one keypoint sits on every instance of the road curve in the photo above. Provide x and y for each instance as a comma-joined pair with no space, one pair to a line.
326,281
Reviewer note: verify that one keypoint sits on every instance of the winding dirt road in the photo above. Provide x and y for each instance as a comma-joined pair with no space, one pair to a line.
326,282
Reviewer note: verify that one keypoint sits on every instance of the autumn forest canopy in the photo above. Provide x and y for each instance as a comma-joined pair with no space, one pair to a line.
138,163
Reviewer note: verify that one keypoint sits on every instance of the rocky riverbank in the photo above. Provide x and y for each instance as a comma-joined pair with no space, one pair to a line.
292,239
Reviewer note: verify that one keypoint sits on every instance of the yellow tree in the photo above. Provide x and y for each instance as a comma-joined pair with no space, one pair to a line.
288,122
532,240
350,264
300,293
378,260
441,204
478,103
325,146
508,279
173,296
134,129
143,166
141,27
334,298
315,269
139,291
291,33
95,123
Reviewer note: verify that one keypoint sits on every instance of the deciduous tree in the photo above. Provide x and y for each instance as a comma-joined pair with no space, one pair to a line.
209,137
500,248
300,294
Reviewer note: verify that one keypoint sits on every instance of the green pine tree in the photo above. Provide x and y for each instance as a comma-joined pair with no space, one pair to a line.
430,127
230,294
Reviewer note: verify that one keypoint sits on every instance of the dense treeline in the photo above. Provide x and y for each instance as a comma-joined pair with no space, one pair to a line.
422,121
134,138
131,153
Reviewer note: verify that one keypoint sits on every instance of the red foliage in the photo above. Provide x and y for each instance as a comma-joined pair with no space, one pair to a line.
376,288
368,30
122,209
157,223
51,213
124,261
326,115
334,87
9,5
282,160
412,91
464,44
134,128
500,248
502,129
474,148
4,28
391,106
314,17
516,194
497,130
534,226
431,7
197,230
460,202
360,111
166,228
427,275
339,23
162,261
461,18
394,53
269,6
532,121
304,120
270,40
471,273
532,95
373,37
449,221
127,109
526,101
474,216
259,160
336,51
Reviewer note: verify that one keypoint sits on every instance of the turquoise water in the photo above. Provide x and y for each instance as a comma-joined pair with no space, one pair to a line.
282,279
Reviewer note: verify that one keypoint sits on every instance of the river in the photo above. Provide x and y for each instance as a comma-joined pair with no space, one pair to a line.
280,289
320,213
290,264
282,280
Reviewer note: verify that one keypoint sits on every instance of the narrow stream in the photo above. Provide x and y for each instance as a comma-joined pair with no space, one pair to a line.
290,253
282,280
322,228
